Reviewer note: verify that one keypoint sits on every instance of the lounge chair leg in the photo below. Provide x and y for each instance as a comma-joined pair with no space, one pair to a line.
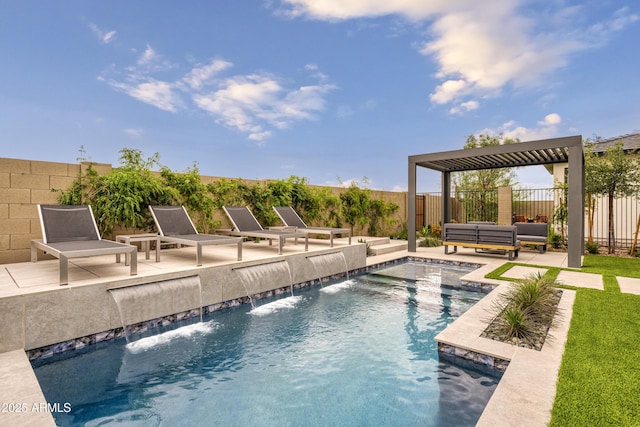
64,270
134,262
198,255
240,250
34,253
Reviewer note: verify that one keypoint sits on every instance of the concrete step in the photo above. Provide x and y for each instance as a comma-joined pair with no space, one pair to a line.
391,246
371,241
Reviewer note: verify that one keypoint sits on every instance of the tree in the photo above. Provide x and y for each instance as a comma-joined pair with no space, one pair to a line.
612,174
478,200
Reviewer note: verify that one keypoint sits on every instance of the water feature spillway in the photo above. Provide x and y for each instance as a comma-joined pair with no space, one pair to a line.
257,278
328,264
154,300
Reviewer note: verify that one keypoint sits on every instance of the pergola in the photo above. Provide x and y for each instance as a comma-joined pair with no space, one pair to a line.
542,152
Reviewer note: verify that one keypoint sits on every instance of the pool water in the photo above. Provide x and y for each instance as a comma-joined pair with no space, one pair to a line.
353,353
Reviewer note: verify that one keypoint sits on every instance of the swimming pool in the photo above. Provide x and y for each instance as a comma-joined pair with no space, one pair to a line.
356,352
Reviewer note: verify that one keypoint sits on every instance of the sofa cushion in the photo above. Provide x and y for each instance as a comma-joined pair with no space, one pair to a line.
532,238
497,234
532,229
460,233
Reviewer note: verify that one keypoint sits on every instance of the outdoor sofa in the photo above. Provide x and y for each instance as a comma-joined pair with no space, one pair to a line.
481,236
70,231
533,233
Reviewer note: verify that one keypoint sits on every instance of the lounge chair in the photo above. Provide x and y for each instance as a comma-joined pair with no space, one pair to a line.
71,232
175,226
246,225
290,218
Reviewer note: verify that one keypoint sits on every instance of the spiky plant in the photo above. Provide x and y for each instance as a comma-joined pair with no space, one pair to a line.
525,313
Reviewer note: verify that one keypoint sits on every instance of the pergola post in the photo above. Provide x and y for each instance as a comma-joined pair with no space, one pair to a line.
411,207
446,198
575,206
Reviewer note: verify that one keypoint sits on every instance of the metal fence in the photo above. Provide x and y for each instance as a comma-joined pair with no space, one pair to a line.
544,205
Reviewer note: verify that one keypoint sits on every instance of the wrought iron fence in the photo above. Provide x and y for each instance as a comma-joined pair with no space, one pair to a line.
543,205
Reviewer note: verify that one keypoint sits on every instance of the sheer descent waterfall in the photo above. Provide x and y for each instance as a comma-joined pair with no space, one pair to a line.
155,300
328,264
256,278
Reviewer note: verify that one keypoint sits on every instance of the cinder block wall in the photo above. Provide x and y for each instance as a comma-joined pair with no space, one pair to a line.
26,183
23,185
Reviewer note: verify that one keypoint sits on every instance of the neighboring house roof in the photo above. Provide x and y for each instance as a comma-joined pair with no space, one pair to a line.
630,143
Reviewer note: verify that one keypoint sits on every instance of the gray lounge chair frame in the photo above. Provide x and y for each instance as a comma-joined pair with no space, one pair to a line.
71,232
290,218
246,225
175,226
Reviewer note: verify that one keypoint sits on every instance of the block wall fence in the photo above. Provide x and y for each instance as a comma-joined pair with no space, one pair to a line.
26,183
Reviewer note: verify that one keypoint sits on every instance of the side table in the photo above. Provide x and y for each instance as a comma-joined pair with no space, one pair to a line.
145,238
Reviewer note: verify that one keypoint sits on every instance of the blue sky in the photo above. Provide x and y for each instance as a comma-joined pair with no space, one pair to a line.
330,90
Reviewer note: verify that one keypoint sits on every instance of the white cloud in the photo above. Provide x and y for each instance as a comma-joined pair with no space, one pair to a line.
133,133
465,107
619,21
255,104
550,120
251,103
547,128
148,56
341,10
106,38
199,76
481,48
160,94
448,91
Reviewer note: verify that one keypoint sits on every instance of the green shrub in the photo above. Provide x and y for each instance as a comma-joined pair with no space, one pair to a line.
524,313
592,247
430,242
121,198
557,241
514,322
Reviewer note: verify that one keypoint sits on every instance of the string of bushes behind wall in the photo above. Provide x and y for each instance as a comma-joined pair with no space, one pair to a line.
120,196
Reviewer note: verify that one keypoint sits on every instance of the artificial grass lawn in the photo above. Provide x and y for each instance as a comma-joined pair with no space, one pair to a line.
599,379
